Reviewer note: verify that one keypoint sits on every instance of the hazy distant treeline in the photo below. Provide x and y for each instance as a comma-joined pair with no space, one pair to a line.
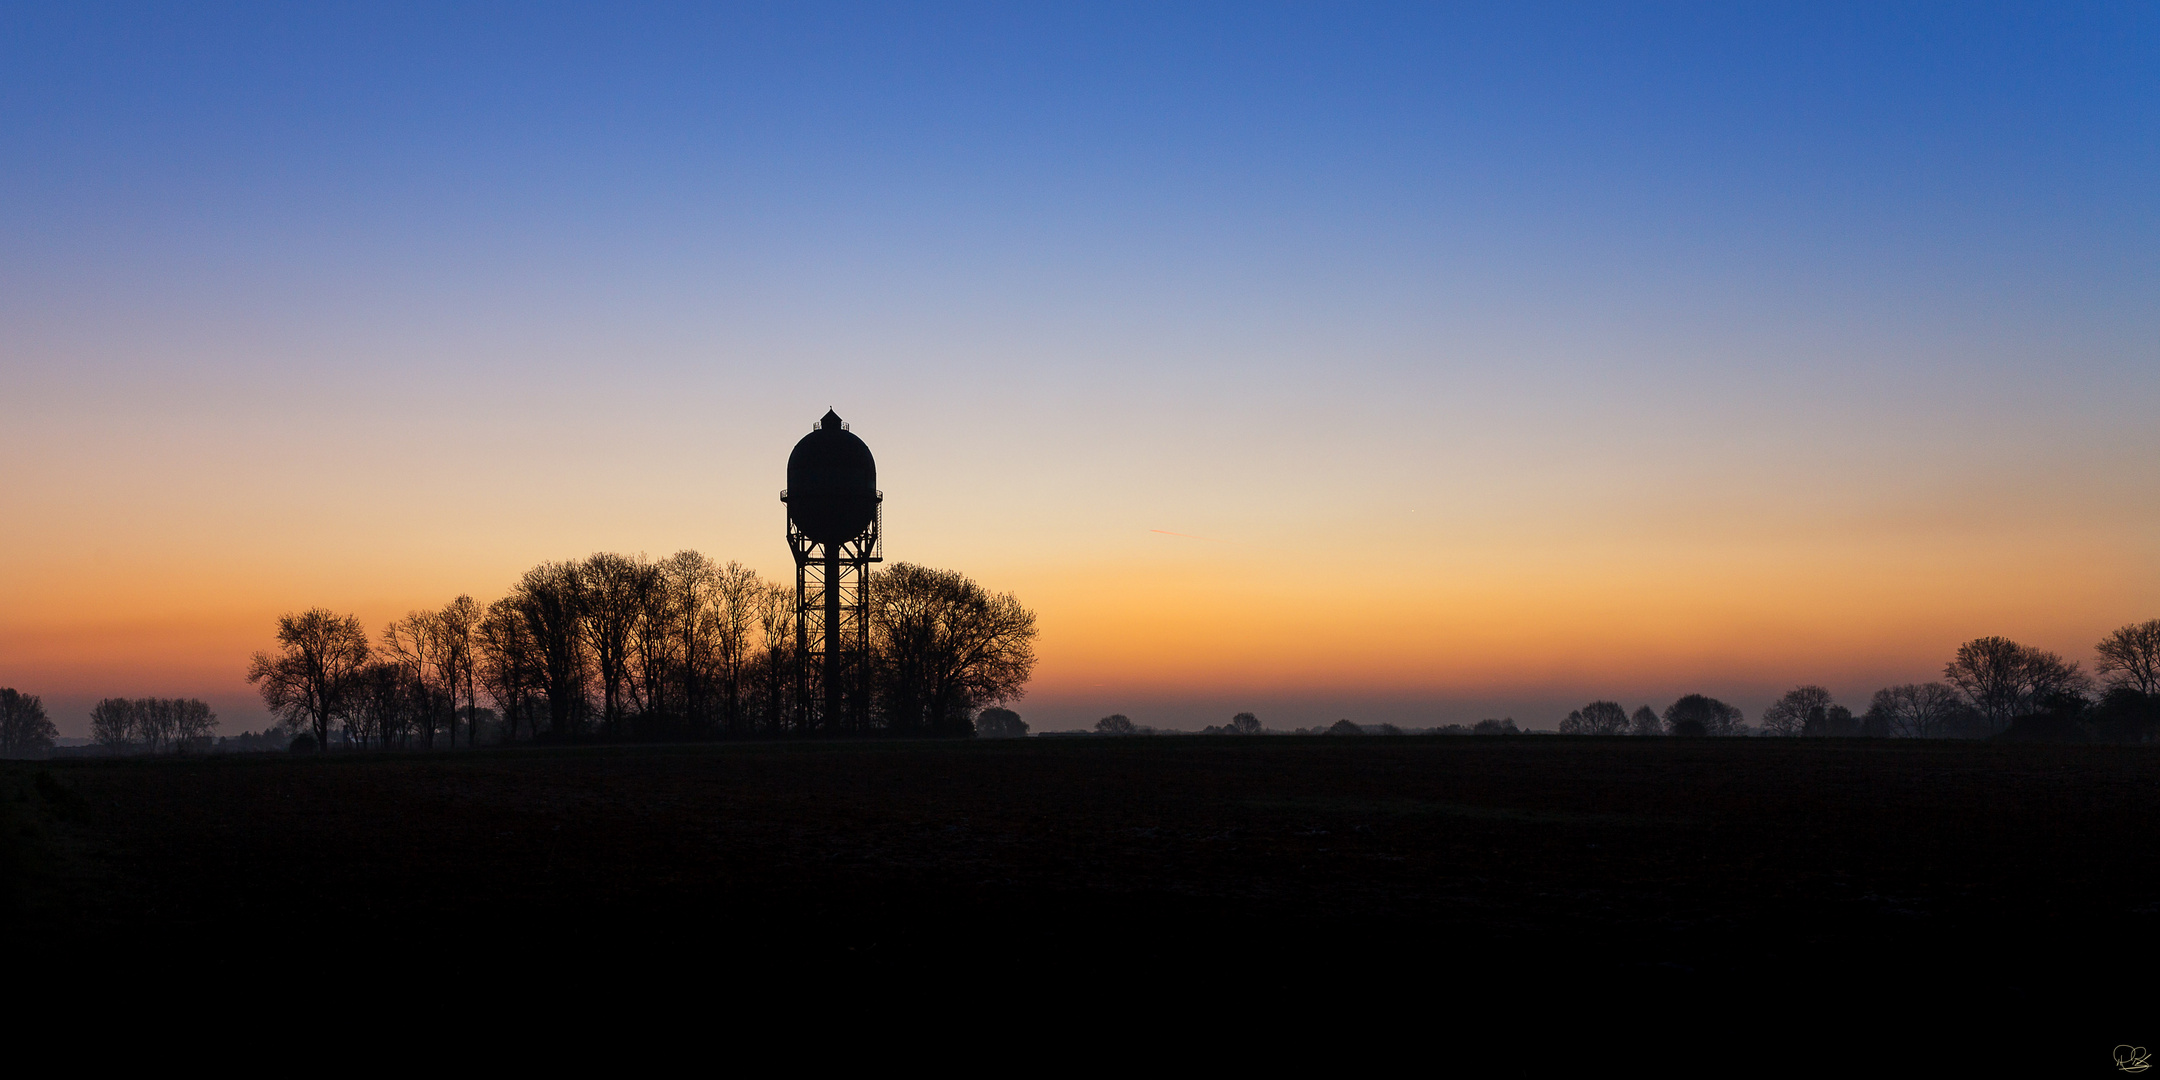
1990,687
118,725
621,646
1691,715
1993,686
151,724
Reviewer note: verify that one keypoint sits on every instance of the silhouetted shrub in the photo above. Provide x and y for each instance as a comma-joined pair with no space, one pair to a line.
1703,715
2127,715
996,723
1344,727
1835,722
1495,727
1645,722
303,743
1839,723
1116,724
268,740
1873,725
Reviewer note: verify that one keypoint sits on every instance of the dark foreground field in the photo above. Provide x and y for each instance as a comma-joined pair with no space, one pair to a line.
1809,885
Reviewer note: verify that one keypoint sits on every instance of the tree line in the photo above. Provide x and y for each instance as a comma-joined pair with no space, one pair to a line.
151,724
619,646
1993,686
117,725
1693,715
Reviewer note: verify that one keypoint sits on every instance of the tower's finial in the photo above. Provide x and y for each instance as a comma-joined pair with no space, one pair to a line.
831,422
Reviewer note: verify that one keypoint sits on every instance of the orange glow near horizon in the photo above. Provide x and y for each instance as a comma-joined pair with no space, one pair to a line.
1167,618
1485,365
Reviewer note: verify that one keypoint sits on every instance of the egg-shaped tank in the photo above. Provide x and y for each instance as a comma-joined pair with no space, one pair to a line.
831,483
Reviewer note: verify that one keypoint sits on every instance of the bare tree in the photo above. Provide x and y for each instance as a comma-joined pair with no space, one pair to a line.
196,721
171,724
734,616
112,724
155,722
1116,724
1596,718
2130,657
1645,722
2002,679
711,616
307,681
1917,711
1991,673
776,656
2049,679
944,646
1803,710
617,594
683,616
385,708
457,658
360,726
551,600
414,643
656,658
1697,714
24,727
510,666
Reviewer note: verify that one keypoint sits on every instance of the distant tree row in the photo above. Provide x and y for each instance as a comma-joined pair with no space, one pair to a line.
1696,715
151,724
1246,723
24,727
619,646
1243,723
1988,687
1348,727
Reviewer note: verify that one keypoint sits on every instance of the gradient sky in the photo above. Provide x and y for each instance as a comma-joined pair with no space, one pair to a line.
1489,359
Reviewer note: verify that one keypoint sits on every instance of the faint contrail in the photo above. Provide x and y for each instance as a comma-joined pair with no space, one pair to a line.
1189,536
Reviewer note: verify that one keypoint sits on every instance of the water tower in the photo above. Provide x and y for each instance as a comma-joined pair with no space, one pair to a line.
835,527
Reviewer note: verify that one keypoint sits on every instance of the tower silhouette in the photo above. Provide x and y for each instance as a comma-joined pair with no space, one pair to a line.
836,518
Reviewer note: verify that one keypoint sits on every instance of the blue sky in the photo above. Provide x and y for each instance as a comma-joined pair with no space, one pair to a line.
1637,286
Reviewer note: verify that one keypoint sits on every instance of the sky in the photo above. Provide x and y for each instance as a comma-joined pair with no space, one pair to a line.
1394,363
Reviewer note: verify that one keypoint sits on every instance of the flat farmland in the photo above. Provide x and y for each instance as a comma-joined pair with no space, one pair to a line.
1452,868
